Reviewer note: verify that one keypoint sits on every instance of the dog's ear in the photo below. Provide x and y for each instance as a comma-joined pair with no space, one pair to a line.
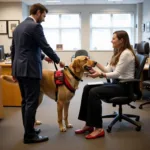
76,65
86,58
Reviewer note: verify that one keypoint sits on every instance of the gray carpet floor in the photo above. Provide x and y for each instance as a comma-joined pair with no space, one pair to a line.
122,137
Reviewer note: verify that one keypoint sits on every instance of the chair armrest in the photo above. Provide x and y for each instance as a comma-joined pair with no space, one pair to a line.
146,83
129,80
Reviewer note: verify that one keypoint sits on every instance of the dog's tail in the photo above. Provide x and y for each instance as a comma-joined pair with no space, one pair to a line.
7,78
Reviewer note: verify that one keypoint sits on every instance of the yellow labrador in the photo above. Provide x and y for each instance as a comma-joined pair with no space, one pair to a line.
72,75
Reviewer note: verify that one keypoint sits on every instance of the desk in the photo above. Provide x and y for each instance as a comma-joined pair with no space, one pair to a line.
1,106
10,93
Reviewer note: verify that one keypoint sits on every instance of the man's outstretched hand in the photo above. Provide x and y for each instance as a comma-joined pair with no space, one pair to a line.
61,64
48,59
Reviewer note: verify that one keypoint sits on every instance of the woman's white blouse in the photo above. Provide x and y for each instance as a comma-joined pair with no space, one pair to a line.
125,67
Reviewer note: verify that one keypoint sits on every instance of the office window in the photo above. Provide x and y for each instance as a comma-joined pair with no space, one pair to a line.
103,26
63,29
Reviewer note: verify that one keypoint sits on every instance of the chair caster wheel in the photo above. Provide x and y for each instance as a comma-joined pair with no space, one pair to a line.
109,129
137,119
140,107
138,128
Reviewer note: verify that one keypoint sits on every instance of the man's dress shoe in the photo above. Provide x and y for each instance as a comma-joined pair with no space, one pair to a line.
35,139
37,131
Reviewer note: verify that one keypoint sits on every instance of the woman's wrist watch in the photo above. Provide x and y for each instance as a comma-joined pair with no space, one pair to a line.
102,75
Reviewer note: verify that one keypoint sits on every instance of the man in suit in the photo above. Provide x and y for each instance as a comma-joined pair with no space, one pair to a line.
28,41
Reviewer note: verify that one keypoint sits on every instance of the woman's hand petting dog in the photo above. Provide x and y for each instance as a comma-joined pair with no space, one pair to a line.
94,74
91,71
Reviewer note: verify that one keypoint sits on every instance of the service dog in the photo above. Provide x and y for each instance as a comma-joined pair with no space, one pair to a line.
62,86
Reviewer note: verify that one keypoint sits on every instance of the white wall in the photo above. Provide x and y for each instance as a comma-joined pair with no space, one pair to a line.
9,11
12,11
146,18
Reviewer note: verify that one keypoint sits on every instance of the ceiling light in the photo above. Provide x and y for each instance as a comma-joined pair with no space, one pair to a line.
53,1
115,0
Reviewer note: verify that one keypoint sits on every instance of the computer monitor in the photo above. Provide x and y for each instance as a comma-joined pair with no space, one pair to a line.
2,55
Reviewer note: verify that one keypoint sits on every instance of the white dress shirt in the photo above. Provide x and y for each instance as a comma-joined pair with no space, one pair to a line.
33,18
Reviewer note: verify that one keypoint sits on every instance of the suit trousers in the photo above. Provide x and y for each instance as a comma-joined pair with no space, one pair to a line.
30,90
91,104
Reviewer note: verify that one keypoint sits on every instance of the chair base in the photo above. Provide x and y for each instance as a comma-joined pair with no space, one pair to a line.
119,117
141,106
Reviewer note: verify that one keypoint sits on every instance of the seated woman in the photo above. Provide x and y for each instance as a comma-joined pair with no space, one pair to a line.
121,66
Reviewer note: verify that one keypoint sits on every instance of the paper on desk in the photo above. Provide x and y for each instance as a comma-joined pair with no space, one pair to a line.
95,83
8,62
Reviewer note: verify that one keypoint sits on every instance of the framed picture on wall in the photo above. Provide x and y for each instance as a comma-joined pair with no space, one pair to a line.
3,27
147,27
12,24
59,47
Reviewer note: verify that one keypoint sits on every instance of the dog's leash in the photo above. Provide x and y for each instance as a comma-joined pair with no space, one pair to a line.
67,67
56,93
55,66
77,78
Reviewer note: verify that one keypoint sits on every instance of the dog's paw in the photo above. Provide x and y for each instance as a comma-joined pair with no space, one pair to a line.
69,126
37,122
63,129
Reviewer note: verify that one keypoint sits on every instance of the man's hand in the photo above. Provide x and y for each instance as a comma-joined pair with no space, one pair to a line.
94,75
61,64
48,59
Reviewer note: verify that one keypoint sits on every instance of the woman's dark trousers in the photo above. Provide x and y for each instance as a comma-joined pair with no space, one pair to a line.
91,104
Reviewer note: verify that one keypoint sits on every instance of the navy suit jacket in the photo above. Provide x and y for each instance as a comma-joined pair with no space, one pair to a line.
28,41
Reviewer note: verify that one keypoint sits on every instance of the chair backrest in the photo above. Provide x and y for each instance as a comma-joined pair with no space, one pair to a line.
138,73
2,54
81,52
142,60
143,48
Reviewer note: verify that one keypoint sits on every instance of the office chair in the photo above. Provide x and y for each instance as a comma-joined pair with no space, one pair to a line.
80,52
2,56
146,85
142,48
132,87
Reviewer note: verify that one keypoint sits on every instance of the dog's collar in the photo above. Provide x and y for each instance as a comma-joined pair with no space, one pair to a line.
77,78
